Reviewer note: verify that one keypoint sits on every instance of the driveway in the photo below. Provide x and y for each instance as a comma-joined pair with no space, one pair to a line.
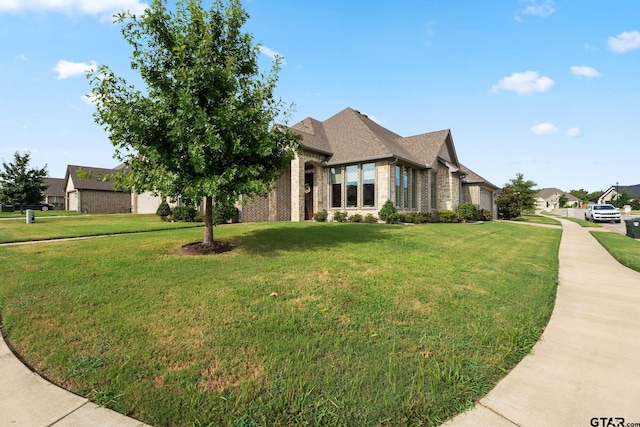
579,213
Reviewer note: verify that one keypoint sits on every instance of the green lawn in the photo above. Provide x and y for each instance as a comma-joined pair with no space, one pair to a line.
48,227
373,324
536,219
624,249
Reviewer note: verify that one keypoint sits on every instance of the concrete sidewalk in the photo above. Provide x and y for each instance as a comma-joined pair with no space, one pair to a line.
587,363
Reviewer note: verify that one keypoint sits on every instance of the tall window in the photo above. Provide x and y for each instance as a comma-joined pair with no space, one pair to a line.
352,185
336,187
368,184
405,187
398,188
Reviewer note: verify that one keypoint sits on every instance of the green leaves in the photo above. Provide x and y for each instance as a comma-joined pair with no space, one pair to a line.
205,124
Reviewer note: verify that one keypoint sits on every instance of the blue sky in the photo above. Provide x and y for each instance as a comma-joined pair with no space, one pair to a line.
550,89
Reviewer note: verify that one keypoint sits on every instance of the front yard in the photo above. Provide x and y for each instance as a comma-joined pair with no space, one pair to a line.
301,323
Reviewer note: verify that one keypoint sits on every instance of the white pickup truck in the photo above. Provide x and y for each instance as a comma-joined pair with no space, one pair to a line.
604,212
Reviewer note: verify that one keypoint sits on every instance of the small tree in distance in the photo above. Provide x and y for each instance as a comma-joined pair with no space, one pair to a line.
21,185
526,192
206,126
509,203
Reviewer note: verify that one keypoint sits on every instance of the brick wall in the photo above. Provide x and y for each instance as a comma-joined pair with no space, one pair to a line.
93,201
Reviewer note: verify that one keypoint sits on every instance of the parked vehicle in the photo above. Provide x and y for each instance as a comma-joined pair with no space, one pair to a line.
603,212
4,207
35,206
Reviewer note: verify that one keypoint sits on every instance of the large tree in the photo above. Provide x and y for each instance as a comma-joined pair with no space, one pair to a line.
20,184
526,192
206,126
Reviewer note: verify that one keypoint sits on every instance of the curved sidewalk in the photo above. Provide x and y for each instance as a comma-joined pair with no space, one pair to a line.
587,363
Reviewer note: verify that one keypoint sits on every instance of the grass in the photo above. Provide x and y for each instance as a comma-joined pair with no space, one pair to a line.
372,324
536,219
18,215
624,249
46,228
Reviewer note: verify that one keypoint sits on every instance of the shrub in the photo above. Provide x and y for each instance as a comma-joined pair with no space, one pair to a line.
635,205
388,213
355,218
447,216
320,216
184,213
199,218
485,215
223,213
164,210
509,203
340,216
370,219
467,211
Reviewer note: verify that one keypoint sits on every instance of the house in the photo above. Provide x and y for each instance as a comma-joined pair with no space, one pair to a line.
54,194
350,163
86,191
548,199
612,192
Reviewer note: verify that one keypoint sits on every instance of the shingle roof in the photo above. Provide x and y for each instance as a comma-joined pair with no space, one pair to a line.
351,136
473,178
93,179
633,190
55,187
546,193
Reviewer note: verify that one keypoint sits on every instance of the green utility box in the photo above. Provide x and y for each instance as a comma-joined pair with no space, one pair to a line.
633,227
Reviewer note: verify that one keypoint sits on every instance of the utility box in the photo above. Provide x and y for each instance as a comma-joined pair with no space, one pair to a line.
633,227
31,216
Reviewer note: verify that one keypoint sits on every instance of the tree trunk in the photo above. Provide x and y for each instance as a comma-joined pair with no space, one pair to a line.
208,221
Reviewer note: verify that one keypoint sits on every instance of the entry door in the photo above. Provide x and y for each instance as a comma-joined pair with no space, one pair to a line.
308,196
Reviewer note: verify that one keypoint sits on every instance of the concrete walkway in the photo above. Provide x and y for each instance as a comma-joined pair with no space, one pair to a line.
587,363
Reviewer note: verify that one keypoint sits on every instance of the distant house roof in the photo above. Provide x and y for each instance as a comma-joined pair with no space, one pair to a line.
547,193
633,190
351,136
473,178
55,187
91,178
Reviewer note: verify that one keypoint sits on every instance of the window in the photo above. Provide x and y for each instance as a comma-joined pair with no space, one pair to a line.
368,184
336,187
398,189
405,187
352,185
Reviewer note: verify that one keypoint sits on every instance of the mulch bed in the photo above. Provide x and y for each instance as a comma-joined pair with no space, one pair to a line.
199,248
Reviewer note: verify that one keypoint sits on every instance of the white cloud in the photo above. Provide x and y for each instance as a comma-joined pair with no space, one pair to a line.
22,57
89,98
271,53
585,71
625,41
544,129
88,7
523,83
66,69
542,9
573,132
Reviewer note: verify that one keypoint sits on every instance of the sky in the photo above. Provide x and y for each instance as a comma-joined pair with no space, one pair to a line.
546,88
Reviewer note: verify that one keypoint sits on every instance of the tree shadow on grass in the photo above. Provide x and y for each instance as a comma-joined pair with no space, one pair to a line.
309,237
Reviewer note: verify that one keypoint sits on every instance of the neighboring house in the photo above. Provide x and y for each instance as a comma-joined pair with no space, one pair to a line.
350,163
54,194
548,199
87,192
611,192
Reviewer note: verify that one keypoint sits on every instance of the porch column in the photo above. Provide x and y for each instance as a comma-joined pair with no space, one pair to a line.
297,186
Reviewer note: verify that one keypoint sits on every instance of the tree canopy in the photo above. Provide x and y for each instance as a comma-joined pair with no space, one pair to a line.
20,184
526,191
509,203
207,124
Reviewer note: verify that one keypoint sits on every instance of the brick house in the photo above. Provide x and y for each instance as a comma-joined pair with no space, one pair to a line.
88,193
350,163
54,194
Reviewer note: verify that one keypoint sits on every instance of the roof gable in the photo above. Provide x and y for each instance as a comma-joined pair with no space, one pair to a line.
93,178
350,136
